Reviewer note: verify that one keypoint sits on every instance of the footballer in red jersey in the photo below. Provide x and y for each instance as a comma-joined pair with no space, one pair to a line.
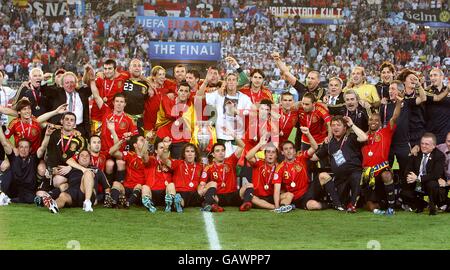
219,179
157,177
136,160
263,173
256,91
291,180
122,124
288,116
378,180
184,190
161,87
174,119
313,115
111,84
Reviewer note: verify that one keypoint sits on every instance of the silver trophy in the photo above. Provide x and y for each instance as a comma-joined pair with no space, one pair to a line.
203,138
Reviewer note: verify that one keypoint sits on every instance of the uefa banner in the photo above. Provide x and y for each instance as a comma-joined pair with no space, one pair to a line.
191,51
166,23
311,15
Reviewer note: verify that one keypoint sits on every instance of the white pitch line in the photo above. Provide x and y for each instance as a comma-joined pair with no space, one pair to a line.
211,231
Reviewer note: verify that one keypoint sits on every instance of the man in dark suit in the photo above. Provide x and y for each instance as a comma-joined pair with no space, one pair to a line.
77,100
423,171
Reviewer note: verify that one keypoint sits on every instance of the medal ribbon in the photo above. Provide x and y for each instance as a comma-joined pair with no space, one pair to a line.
193,172
64,148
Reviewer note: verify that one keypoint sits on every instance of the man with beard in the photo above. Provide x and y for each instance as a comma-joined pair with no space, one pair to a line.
353,109
387,72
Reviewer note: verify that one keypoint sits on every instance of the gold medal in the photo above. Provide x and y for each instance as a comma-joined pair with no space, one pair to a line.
166,183
266,187
37,107
64,155
223,185
177,123
293,184
191,184
370,153
105,99
281,134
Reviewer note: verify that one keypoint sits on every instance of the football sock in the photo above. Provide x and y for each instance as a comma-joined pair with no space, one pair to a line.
248,194
115,193
135,196
209,195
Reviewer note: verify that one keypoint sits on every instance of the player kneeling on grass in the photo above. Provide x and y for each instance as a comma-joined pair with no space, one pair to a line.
19,181
263,172
186,179
219,179
291,181
158,177
81,186
136,160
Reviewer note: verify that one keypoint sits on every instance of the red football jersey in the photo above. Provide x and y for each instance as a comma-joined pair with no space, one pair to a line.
378,145
262,178
157,175
264,93
123,124
170,122
151,106
224,174
186,177
316,121
99,161
256,129
135,168
293,176
108,88
287,122
30,131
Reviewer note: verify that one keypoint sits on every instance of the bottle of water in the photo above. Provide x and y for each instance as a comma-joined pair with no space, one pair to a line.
378,211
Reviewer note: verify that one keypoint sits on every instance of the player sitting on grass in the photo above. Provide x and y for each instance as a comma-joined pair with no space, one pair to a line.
158,177
184,190
80,189
291,181
136,160
220,180
263,172
19,181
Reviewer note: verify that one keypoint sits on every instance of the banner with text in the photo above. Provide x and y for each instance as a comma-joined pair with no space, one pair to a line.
432,18
193,51
167,23
310,15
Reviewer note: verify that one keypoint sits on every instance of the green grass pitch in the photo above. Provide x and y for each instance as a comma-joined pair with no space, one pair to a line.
28,227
